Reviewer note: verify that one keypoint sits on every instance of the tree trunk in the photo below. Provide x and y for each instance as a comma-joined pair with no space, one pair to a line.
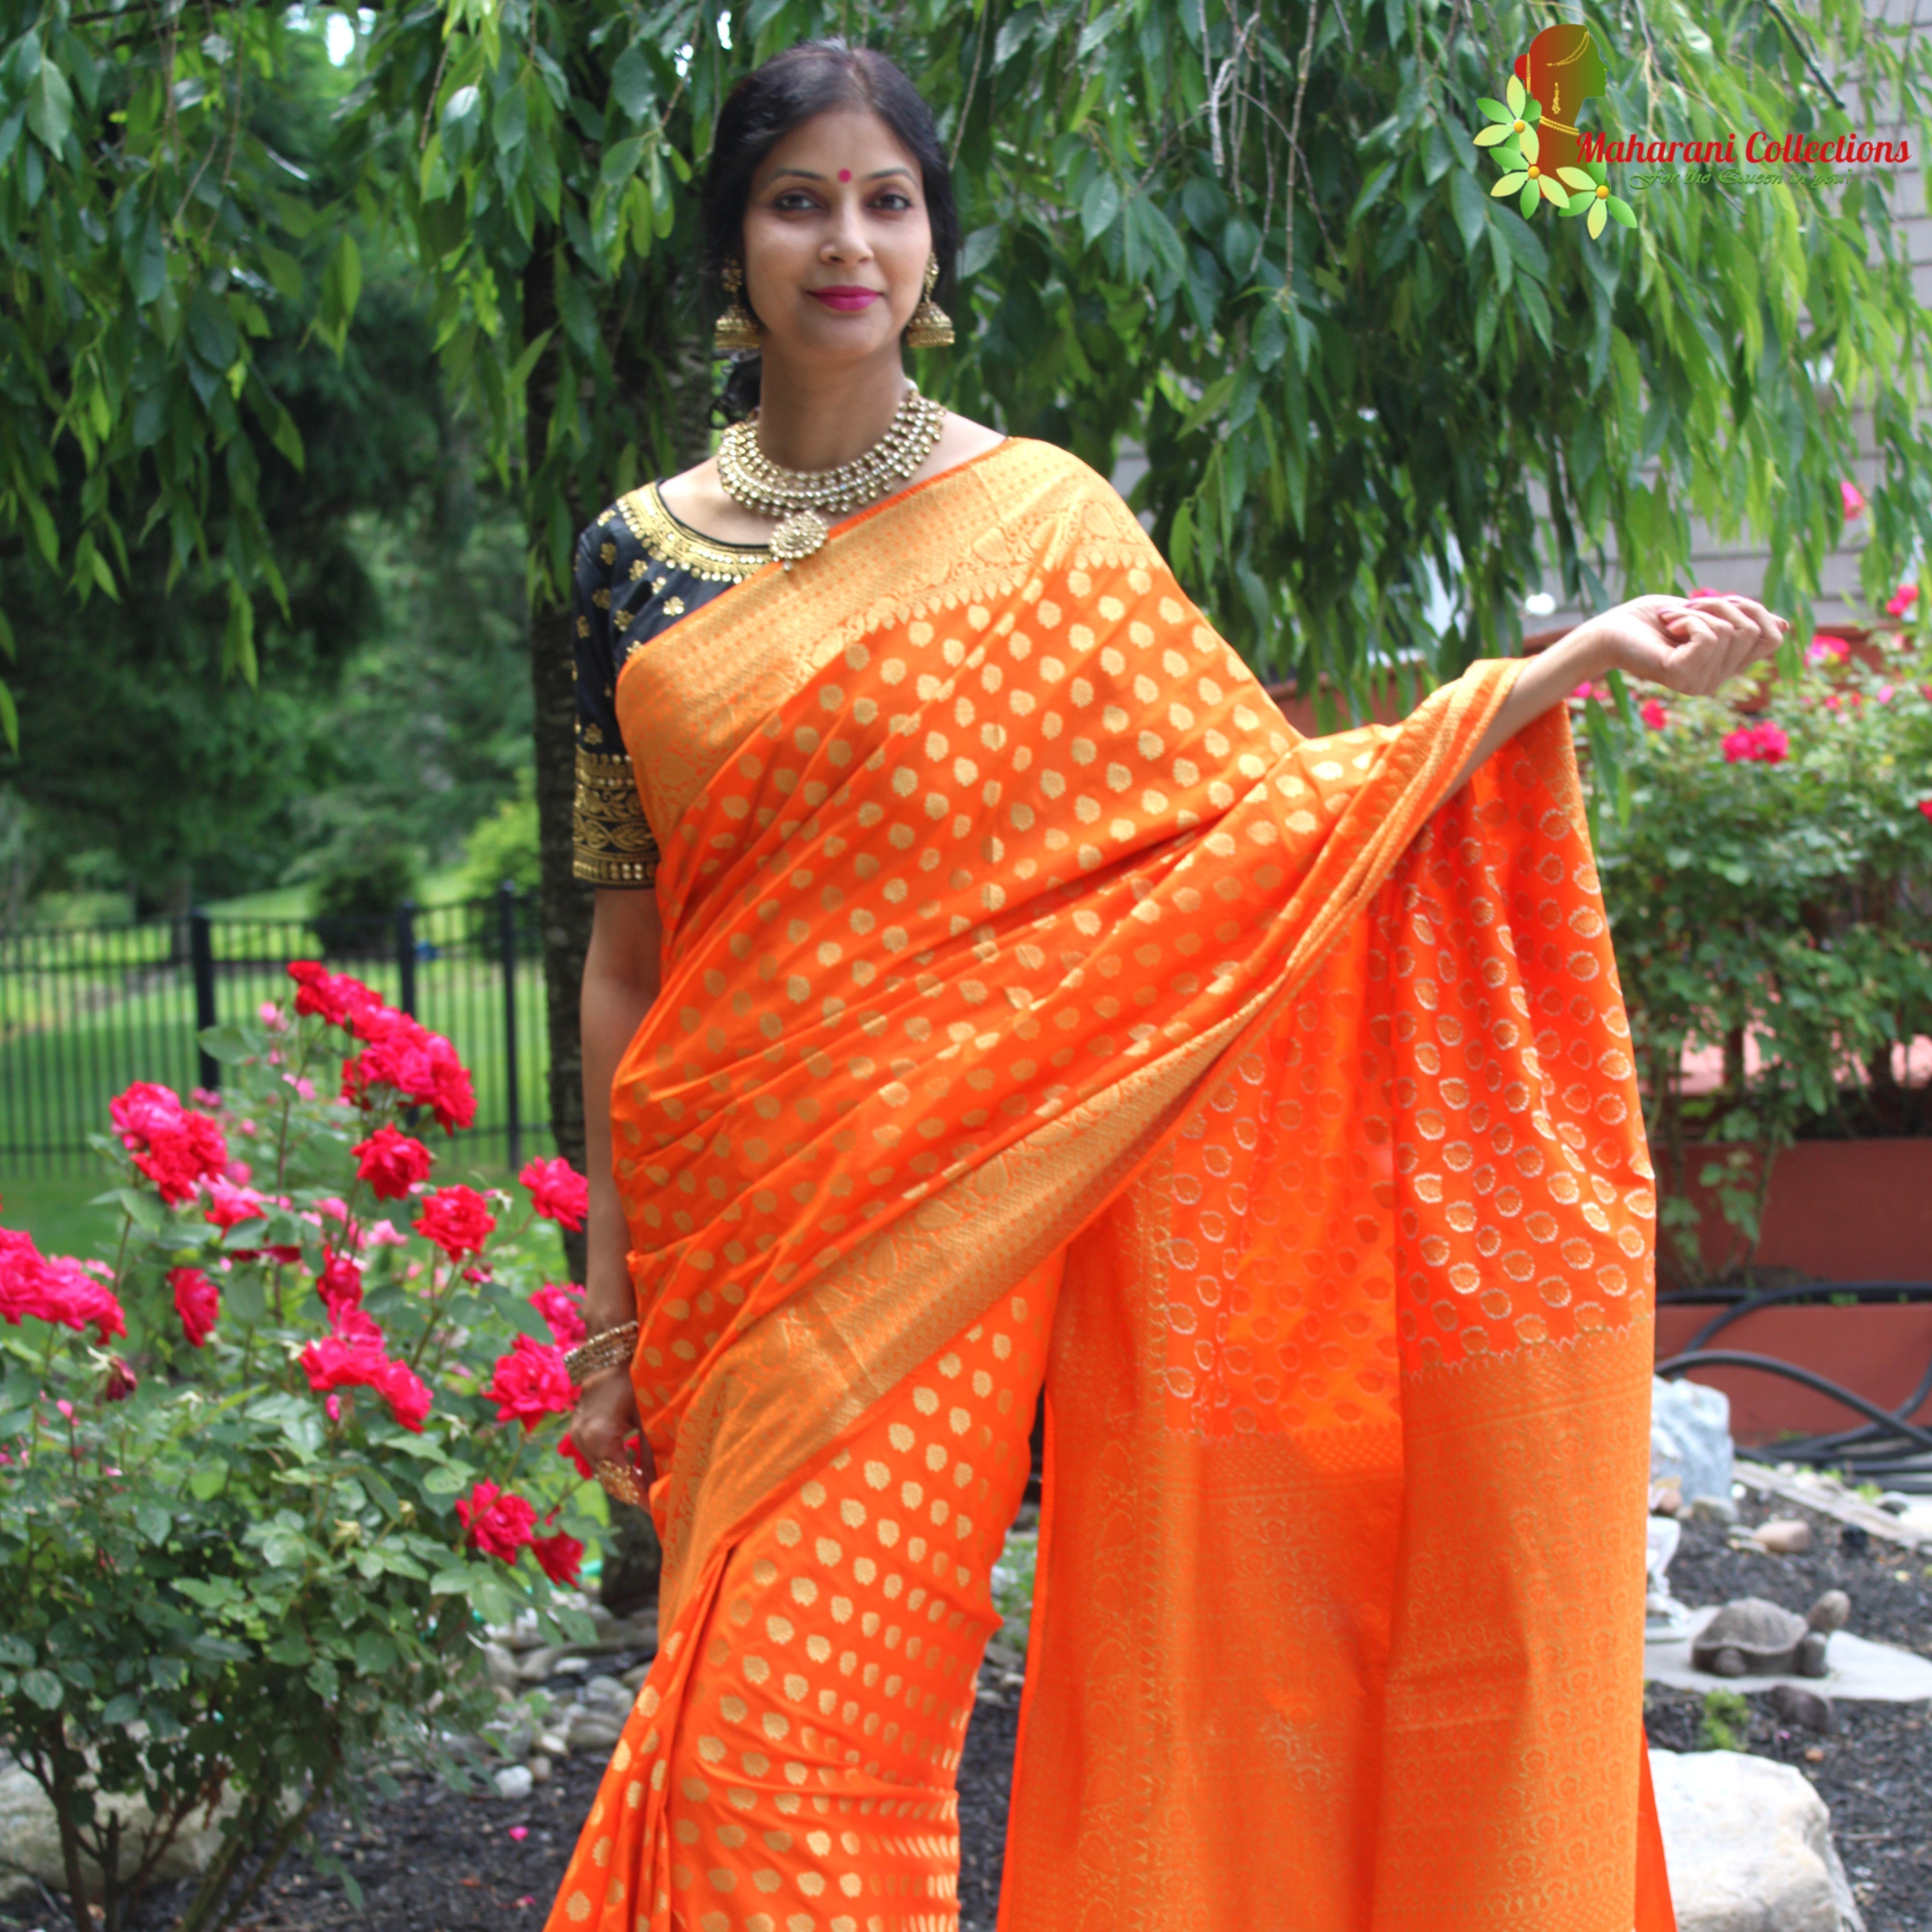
641,361
564,901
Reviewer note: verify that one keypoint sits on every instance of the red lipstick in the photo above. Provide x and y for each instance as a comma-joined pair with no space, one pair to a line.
846,301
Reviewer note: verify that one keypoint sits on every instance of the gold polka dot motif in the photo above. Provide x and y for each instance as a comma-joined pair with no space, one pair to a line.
815,1756
982,867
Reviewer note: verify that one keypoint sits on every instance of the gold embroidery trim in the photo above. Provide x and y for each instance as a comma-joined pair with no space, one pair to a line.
611,843
670,541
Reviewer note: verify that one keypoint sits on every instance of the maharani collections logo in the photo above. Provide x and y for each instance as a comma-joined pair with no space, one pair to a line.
1532,136
1542,156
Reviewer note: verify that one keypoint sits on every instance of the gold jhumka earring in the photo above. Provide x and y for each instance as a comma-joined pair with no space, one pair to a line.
737,328
931,327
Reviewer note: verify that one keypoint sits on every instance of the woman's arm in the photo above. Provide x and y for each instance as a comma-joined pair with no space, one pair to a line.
1692,645
620,981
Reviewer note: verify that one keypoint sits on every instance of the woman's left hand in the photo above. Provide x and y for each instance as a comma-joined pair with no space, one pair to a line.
1692,646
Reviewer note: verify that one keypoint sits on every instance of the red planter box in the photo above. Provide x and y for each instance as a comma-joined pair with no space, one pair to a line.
1880,1351
1840,1211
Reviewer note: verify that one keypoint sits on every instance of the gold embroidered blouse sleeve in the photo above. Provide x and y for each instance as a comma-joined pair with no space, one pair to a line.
611,841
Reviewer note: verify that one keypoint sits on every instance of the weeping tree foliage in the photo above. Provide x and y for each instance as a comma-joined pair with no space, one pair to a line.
1260,240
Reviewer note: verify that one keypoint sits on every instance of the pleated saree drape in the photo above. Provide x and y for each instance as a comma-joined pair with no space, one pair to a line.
1034,1001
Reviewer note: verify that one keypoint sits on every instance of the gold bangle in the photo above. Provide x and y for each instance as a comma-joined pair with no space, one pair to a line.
623,1482
605,1350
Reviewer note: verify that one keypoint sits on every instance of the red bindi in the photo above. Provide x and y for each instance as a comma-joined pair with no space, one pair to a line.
844,174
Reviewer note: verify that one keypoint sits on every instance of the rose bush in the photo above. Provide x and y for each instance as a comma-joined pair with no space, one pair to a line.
265,1470
1773,882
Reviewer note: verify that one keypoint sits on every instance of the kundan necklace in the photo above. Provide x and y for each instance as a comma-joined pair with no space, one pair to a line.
807,499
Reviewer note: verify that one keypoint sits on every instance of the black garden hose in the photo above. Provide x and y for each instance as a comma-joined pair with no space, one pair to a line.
1887,1446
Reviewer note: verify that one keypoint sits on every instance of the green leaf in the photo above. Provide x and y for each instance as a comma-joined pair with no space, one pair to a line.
16,1652
322,1678
1100,207
153,1522
207,1481
510,120
375,1654
148,265
44,1688
50,108
444,1481
125,1709
226,1043
1493,110
620,160
631,84
1469,204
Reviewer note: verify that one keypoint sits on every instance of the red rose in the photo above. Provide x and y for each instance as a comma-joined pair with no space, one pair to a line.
570,1453
122,1382
197,1301
456,1219
176,1148
530,1384
354,1357
558,1192
421,1066
499,1525
1764,744
559,1555
339,1284
392,1163
1653,714
54,1290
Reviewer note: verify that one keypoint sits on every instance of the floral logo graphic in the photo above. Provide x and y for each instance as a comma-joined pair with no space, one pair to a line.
1538,153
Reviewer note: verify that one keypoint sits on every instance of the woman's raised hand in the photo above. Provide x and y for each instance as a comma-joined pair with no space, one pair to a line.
1690,645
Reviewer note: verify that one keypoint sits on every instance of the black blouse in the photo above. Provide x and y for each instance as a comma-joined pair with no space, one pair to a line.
638,570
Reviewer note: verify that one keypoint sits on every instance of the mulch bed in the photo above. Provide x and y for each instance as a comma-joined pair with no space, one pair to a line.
1874,1769
436,1861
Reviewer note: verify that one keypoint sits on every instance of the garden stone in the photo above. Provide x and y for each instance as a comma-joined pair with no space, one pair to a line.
552,1745
540,1769
1710,1509
607,1691
514,1782
1691,1438
1805,1709
1787,1536
534,1665
1748,1845
593,1730
501,1665
30,1843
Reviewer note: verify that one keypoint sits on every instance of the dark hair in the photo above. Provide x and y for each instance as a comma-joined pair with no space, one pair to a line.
815,77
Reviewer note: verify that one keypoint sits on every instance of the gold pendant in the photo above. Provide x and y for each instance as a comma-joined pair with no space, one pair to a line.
799,535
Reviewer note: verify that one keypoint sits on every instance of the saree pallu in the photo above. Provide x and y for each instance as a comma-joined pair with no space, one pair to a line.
1012,936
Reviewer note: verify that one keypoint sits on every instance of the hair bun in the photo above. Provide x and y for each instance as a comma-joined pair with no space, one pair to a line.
742,386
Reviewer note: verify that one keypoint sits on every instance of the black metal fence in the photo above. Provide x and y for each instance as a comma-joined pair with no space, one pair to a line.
85,1010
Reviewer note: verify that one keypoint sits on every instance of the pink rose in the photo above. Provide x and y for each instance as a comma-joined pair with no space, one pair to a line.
557,1192
197,1301
340,1284
499,1525
562,1308
1653,714
456,1219
1827,649
1764,744
55,1290
229,1205
1902,600
1851,500
176,1148
530,1384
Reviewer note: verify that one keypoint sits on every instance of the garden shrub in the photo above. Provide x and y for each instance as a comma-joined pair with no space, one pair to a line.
265,1470
1772,881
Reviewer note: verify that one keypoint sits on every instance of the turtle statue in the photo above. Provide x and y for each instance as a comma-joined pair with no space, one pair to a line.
1752,1637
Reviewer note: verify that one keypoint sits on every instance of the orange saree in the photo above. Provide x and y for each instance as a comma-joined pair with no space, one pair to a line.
1034,1001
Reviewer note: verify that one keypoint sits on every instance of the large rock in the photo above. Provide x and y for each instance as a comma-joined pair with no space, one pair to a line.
1691,1438
1748,1843
30,1847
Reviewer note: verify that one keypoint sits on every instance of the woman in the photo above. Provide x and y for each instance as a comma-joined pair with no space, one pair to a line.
1018,997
